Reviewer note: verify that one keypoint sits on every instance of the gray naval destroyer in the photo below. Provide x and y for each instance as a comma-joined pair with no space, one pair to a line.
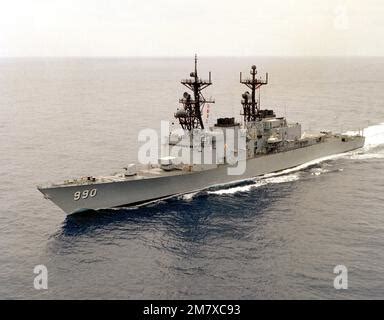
262,143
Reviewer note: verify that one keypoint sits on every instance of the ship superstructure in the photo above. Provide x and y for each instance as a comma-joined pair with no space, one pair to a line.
197,156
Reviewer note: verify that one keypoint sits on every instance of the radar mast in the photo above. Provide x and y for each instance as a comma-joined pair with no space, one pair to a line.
251,107
190,116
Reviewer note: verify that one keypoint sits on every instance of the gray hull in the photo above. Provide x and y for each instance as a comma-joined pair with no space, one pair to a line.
115,194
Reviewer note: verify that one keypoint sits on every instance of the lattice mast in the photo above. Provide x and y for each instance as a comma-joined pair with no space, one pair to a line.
190,117
251,106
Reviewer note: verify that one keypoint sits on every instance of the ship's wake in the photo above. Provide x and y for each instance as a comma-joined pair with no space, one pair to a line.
257,183
374,144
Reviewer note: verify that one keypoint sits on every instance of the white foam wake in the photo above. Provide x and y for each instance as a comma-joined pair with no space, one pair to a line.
305,165
237,189
318,171
374,135
258,183
189,196
374,144
366,156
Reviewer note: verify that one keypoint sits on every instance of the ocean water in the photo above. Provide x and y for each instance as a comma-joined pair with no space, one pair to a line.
278,236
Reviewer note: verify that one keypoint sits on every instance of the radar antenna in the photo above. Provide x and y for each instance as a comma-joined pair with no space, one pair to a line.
251,107
190,117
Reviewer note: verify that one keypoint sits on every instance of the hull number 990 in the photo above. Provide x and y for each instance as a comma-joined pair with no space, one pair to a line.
84,194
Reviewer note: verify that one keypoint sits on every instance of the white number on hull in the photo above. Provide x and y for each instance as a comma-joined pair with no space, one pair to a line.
85,194
77,195
93,192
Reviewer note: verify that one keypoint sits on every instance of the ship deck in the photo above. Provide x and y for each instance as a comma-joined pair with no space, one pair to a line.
157,172
145,173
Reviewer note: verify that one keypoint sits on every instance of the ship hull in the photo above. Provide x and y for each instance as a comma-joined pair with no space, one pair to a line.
130,192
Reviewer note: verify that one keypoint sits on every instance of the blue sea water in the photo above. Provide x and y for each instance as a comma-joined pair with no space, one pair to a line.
276,237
